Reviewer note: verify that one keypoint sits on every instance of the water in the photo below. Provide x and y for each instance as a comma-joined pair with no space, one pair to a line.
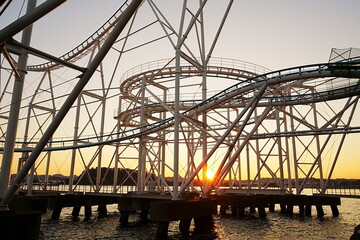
275,226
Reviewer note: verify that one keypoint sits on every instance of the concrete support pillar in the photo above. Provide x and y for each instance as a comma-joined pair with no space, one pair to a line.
124,218
56,213
184,226
144,215
308,210
320,211
241,211
162,230
335,210
282,208
203,224
223,209
271,207
301,210
234,210
75,212
262,213
88,212
252,210
290,209
102,211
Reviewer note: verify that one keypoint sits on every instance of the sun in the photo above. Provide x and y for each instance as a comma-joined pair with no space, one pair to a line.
210,174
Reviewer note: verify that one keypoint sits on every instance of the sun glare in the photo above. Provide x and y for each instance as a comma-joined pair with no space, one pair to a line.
210,174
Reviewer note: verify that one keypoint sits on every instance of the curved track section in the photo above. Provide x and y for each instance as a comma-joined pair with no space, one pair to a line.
326,80
83,48
155,72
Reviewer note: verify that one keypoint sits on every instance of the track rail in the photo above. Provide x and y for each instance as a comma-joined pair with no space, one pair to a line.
83,48
275,78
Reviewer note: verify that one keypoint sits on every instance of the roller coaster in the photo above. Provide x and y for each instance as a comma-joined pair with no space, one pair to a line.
259,130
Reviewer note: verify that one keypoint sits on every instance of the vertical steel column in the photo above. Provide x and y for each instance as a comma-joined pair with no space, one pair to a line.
117,152
177,102
293,141
123,20
313,105
204,96
142,149
102,123
15,107
73,154
248,165
163,149
287,155
239,160
278,139
257,151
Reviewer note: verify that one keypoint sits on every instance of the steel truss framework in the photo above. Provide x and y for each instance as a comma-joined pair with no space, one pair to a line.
260,130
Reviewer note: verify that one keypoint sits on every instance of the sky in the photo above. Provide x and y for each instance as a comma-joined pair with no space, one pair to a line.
275,34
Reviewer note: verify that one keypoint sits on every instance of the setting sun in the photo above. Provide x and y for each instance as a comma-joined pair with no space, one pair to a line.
210,174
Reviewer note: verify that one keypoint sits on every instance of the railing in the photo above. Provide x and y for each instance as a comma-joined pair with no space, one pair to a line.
217,62
63,188
347,191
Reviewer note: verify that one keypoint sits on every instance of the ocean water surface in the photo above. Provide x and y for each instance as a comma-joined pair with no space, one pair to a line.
275,226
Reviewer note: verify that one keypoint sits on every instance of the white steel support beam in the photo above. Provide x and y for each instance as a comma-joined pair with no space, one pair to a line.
317,138
120,25
293,144
323,190
142,144
73,154
257,152
287,155
251,104
204,97
177,104
280,151
29,18
220,177
15,101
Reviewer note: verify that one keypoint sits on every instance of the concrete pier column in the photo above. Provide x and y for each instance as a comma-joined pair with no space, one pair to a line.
102,211
144,215
283,208
290,209
56,213
320,211
252,210
234,210
88,212
262,213
162,230
271,207
75,212
124,218
301,210
241,211
184,226
335,210
223,209
203,224
308,210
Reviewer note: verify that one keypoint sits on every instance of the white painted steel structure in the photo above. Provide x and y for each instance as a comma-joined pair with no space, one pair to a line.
258,129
